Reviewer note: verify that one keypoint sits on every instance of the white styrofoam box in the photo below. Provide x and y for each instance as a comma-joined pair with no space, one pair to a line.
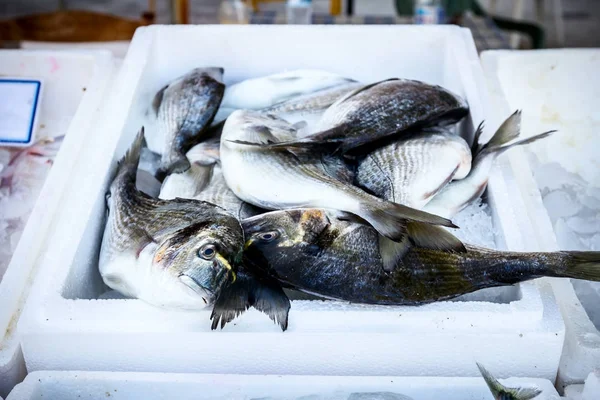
555,88
118,48
68,328
67,385
73,88
590,390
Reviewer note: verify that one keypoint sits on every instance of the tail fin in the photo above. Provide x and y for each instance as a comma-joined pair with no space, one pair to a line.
131,159
504,136
502,392
390,219
582,265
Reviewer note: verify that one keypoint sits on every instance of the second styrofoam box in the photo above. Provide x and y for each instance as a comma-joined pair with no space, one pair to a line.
74,84
72,385
558,89
68,327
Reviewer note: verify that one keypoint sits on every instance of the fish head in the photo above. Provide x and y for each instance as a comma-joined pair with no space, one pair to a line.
203,255
278,239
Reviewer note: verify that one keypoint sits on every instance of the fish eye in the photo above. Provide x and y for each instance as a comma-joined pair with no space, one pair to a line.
268,236
208,251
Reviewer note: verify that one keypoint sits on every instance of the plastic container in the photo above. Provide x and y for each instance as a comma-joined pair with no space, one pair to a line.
542,83
74,84
518,331
299,12
68,385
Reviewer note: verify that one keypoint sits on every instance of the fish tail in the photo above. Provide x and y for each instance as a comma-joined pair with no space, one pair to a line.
390,219
501,391
579,265
504,136
131,159
176,164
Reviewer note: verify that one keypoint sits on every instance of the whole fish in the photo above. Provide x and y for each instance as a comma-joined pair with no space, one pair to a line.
275,179
185,108
266,91
313,102
502,392
175,253
411,171
204,181
313,251
381,110
458,194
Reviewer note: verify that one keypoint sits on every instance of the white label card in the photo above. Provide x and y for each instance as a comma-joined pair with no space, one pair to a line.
19,103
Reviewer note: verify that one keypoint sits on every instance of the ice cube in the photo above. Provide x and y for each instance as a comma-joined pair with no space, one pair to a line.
591,390
553,176
560,204
566,238
589,296
592,243
476,225
584,225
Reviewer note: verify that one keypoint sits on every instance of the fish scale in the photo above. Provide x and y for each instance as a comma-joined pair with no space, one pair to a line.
412,171
340,260
153,249
281,178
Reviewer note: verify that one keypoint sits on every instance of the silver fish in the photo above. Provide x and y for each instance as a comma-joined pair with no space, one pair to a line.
502,392
176,253
204,181
185,108
313,102
458,194
263,92
275,179
413,170
381,110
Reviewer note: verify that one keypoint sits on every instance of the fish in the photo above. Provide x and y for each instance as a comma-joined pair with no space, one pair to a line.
412,171
275,179
374,113
313,102
502,392
251,290
184,109
171,253
266,91
457,195
204,181
313,251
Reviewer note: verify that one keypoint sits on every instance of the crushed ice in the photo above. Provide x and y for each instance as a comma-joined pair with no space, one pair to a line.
22,175
573,205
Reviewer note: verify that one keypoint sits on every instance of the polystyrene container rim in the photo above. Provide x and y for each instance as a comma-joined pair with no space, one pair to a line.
20,271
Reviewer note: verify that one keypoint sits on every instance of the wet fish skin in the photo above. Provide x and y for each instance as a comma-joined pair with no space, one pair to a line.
502,392
177,253
312,250
412,171
204,181
313,102
376,112
275,179
185,108
279,87
459,194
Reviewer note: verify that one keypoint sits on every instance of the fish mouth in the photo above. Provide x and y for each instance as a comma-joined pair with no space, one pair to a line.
205,293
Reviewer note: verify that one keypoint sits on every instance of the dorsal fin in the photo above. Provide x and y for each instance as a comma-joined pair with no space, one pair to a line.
361,89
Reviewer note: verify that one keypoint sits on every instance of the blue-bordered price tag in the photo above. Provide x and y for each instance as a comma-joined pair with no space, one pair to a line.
19,109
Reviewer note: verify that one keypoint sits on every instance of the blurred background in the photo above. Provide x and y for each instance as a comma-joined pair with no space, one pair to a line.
501,24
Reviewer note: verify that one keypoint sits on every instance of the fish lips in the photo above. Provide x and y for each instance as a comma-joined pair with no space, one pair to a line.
196,279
